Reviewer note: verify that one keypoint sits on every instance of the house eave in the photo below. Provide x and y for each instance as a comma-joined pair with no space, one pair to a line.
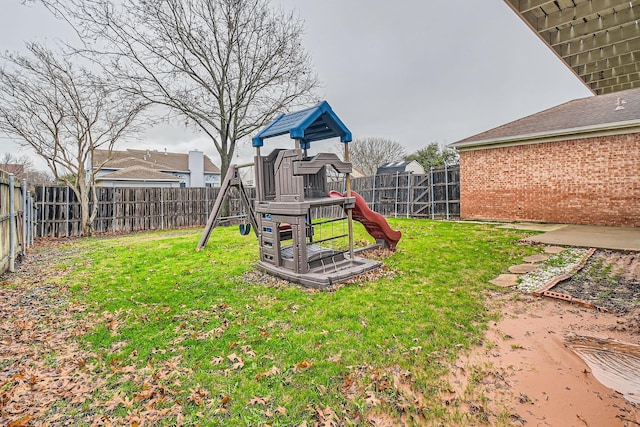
608,129
137,179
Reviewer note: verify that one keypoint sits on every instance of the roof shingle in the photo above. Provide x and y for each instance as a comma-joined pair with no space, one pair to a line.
138,173
579,113
178,162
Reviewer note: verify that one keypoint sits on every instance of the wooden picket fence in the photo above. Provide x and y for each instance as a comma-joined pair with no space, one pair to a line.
124,210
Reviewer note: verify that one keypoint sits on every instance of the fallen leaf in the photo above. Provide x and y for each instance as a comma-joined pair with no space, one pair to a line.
335,358
198,395
112,403
21,422
305,364
238,363
326,416
225,400
271,372
248,351
259,400
371,399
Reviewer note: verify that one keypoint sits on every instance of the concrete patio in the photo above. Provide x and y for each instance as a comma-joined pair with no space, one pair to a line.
589,236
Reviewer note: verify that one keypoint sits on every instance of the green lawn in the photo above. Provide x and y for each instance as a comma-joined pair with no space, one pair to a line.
199,338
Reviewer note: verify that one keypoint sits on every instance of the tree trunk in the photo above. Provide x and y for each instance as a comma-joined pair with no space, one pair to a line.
82,193
225,162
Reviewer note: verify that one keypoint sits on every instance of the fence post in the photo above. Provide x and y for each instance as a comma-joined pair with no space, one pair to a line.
206,203
395,208
446,189
113,209
373,195
161,208
433,202
28,221
32,218
66,206
24,213
409,198
12,224
42,208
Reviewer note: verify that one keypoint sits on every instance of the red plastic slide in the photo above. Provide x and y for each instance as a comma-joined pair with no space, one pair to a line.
375,224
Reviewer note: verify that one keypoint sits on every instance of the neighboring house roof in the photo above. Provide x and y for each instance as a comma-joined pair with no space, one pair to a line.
398,167
356,172
128,162
614,113
14,168
138,173
178,162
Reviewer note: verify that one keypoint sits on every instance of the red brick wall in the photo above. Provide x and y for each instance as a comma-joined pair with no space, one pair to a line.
585,181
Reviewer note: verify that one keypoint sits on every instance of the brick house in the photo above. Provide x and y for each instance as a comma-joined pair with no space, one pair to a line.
577,163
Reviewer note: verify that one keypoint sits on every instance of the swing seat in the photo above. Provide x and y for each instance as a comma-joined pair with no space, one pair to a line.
245,229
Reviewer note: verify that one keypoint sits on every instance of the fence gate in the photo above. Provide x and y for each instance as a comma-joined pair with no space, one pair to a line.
16,220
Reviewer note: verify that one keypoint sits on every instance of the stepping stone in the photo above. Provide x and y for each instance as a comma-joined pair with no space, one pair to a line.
535,258
505,280
553,249
523,268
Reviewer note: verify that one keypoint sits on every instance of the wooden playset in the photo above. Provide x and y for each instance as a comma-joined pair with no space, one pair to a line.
292,199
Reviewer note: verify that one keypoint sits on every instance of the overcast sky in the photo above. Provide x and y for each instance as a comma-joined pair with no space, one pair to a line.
414,71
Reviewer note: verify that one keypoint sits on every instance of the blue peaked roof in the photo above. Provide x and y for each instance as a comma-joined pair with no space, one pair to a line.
312,124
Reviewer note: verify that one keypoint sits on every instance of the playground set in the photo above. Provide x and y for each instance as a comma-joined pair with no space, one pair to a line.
292,192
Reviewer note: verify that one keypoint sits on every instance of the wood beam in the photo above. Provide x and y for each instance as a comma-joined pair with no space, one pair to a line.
616,88
594,26
578,13
528,5
599,41
610,73
628,78
614,62
604,53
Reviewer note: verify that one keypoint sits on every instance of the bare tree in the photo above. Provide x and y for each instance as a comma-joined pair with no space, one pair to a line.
63,113
225,66
368,154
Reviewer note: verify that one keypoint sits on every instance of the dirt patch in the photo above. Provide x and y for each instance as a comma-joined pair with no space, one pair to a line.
525,372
